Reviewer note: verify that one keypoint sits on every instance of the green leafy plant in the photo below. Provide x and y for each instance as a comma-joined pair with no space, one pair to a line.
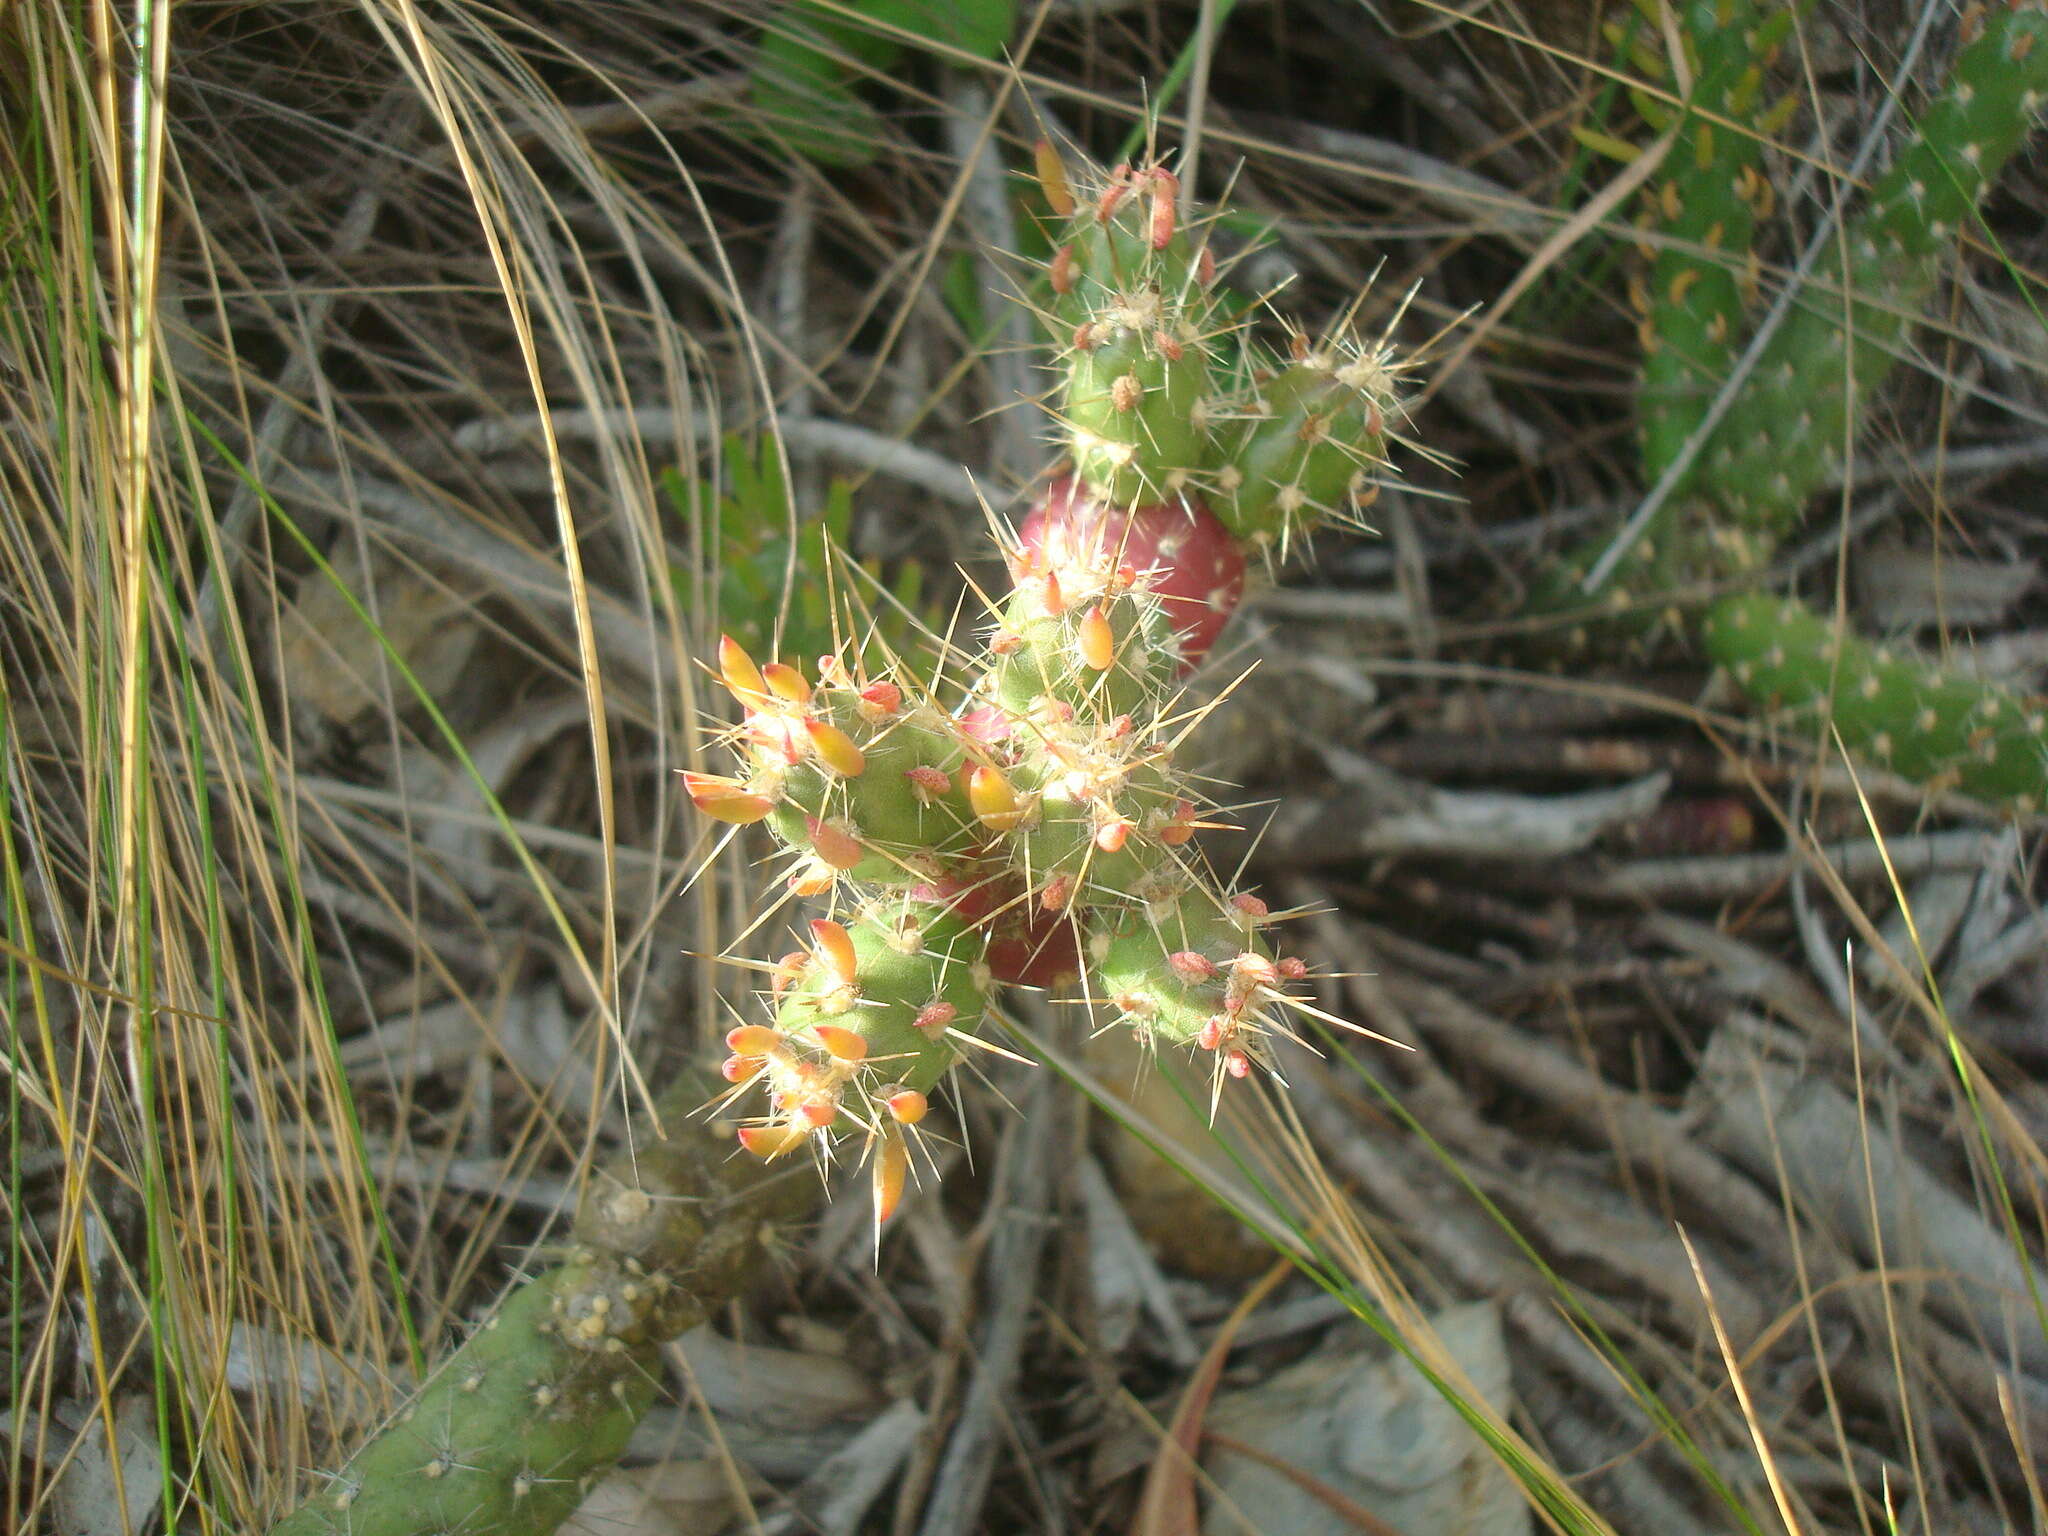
760,548
812,56
1729,488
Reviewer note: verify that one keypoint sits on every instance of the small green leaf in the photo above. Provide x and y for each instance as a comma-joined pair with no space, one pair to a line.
802,98
979,27
960,287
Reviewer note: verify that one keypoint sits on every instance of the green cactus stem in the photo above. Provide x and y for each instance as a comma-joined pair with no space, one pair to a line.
863,1016
1133,319
1787,427
1191,969
507,1435
1308,441
1706,209
1784,436
1901,712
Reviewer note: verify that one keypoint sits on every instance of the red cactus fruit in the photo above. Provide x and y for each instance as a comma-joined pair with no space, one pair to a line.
1188,558
1028,945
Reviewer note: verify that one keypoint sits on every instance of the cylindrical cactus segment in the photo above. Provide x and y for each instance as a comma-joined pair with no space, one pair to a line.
1192,971
1305,444
1706,209
1101,651
866,1011
1135,402
1107,813
1904,714
849,773
1135,324
507,1436
1124,239
1786,432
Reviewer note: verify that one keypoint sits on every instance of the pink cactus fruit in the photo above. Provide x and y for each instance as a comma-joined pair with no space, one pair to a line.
1178,550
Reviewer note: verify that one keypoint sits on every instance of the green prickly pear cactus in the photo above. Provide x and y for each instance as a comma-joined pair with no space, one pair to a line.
1705,209
1902,713
1786,428
1038,831
1783,437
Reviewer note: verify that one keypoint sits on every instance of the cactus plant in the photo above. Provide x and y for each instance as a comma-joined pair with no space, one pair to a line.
1024,821
1786,427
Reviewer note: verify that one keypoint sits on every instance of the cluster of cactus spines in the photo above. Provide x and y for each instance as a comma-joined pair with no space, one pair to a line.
1022,821
1785,431
1904,715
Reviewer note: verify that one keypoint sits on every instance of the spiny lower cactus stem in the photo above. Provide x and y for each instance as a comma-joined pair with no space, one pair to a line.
507,1435
1902,712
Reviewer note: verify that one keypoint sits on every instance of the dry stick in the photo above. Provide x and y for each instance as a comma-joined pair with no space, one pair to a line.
1569,1087
1661,1143
1022,1213
1376,812
1733,876
623,636
988,211
389,125
930,472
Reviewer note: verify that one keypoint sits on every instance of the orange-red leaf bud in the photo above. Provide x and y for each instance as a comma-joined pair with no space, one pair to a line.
752,1040
742,678
785,682
1052,178
878,701
892,1166
836,846
992,799
836,748
835,945
841,1043
726,800
768,1142
1095,640
1165,193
